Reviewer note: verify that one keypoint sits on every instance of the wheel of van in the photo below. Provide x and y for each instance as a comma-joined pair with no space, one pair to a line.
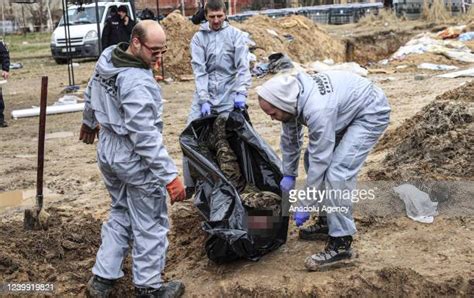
60,60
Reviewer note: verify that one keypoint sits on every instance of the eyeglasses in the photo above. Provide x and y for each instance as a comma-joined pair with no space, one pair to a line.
161,51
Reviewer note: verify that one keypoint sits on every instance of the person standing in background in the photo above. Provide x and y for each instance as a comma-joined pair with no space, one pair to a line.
118,27
5,61
221,69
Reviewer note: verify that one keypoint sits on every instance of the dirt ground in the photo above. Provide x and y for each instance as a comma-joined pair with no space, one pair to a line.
395,255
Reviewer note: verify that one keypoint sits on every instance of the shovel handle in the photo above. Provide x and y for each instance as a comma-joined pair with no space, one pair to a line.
41,137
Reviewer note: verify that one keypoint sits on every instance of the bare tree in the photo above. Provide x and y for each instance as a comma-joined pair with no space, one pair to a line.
39,14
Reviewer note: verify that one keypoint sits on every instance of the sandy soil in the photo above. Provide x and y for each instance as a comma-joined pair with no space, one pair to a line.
395,255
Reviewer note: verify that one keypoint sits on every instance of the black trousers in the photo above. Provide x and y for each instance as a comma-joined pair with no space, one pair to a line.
2,107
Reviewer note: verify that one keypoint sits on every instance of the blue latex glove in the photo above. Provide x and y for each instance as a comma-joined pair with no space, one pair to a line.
239,101
205,109
287,183
300,218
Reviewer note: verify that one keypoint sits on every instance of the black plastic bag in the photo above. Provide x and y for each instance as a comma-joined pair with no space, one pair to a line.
226,219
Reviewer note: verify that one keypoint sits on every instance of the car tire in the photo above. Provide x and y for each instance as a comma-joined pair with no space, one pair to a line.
60,60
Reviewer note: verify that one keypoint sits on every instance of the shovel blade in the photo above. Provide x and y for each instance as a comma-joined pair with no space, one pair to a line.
36,219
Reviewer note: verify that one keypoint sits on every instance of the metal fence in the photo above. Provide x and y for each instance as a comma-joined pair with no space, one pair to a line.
325,14
413,9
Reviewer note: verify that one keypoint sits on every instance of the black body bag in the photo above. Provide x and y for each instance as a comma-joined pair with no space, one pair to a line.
235,231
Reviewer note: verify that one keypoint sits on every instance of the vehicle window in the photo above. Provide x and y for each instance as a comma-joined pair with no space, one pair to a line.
82,15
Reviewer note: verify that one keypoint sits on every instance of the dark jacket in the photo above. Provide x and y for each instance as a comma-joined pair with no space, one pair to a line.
4,57
115,31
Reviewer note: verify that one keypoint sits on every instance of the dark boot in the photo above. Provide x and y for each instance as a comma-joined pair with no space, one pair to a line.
172,289
3,124
318,231
99,287
337,249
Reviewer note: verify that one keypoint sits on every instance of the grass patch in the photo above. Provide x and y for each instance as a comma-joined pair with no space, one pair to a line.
28,46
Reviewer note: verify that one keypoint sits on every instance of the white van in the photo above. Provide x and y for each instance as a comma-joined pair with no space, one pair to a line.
82,30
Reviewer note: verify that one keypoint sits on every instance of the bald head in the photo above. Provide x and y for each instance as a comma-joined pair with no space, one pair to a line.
147,29
148,41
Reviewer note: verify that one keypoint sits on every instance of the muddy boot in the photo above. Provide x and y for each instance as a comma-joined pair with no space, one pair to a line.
317,231
172,289
99,287
337,249
3,124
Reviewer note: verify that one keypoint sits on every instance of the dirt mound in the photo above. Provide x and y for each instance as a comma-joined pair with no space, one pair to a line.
297,36
436,143
63,255
388,281
186,236
179,32
397,281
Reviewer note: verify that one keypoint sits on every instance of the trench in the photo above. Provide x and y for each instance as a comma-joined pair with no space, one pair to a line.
369,49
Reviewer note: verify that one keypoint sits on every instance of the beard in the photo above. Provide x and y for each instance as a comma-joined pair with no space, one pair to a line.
288,118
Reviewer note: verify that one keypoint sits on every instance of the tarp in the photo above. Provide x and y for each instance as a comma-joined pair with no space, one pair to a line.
457,74
226,219
426,42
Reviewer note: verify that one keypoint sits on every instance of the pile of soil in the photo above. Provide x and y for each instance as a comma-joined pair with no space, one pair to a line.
436,143
297,36
179,32
304,41
186,236
63,255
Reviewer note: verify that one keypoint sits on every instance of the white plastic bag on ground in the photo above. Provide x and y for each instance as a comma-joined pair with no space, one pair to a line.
418,205
432,66
462,73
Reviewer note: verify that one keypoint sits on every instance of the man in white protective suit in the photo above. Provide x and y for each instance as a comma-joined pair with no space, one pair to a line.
345,115
124,103
220,61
